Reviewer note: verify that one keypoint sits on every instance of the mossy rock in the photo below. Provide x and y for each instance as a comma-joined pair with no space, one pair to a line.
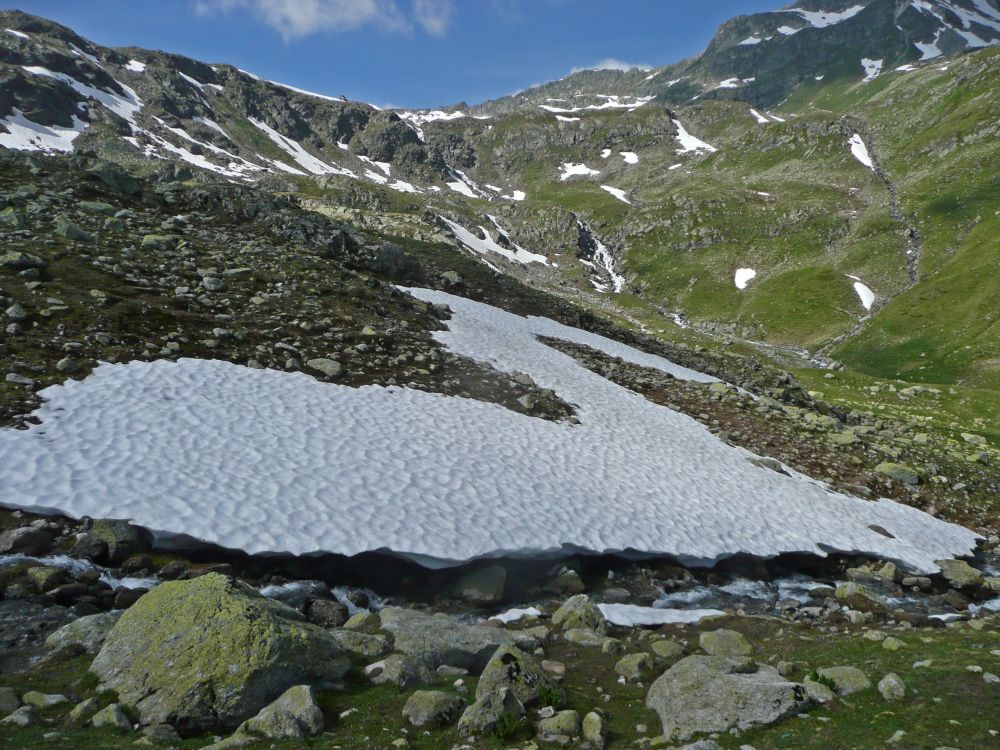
209,653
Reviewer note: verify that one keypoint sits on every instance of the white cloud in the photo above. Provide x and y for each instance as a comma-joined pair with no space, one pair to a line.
611,63
433,15
298,18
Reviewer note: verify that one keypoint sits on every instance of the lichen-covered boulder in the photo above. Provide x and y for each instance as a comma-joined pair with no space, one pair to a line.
432,708
724,642
483,716
578,612
846,680
702,694
295,715
521,673
122,539
209,653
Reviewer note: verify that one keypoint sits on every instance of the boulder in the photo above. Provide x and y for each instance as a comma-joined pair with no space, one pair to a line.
331,368
481,586
122,538
25,716
724,642
398,670
859,597
432,708
439,639
562,724
635,667
579,612
84,711
519,672
846,680
209,653
715,694
364,645
113,716
483,716
667,650
88,632
25,540
898,472
327,613
892,687
595,729
959,574
364,622
8,701
19,261
43,700
294,715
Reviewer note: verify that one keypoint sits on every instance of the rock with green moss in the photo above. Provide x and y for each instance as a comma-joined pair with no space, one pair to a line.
898,472
364,622
209,653
667,650
122,539
432,708
366,645
724,642
892,688
579,612
595,729
87,632
959,574
294,715
522,674
43,700
562,724
492,710
634,667
112,716
69,230
84,711
845,680
19,261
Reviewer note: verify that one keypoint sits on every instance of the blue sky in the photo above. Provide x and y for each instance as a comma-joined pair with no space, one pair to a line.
409,53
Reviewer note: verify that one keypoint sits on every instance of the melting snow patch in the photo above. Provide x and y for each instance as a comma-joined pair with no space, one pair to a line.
690,144
567,119
759,117
632,615
750,40
573,170
630,157
307,161
743,277
30,136
822,18
125,105
866,295
19,34
135,66
305,466
872,68
860,151
486,244
618,193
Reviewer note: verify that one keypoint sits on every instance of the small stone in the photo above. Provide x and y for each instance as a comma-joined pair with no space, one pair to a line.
892,688
892,644
847,680
331,368
667,650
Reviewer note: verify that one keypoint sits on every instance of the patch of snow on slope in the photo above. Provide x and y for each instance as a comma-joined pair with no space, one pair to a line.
690,144
610,102
486,244
306,466
606,261
929,50
85,55
27,135
313,94
865,294
303,158
135,66
125,105
759,117
567,119
743,276
214,126
573,170
19,34
513,615
860,151
416,119
618,193
872,68
821,19
788,30
750,40
630,157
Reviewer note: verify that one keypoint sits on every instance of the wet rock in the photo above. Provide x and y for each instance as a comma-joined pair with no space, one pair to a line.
25,541
122,539
433,708
481,586
211,652
714,694
326,613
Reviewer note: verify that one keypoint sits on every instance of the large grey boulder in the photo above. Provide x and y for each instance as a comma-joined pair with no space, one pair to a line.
25,541
88,632
959,574
294,715
209,653
521,673
439,639
724,642
715,694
